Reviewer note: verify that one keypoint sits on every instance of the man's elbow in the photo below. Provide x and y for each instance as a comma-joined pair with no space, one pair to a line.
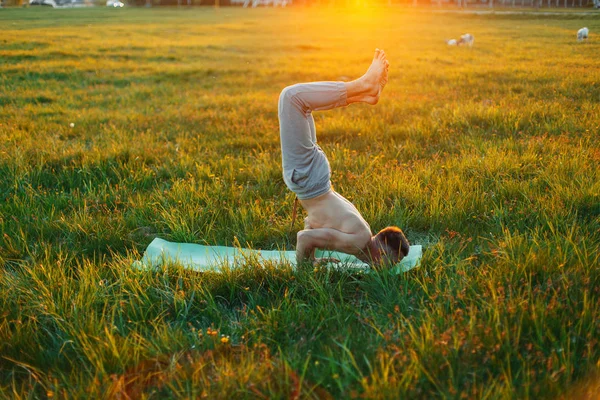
304,239
301,237
304,246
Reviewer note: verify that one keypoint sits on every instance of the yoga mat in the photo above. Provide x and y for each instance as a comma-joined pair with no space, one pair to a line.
210,258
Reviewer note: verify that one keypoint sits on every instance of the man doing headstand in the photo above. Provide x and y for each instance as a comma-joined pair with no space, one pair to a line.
333,223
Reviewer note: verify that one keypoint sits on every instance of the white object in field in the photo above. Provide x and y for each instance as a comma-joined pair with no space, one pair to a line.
60,3
466,39
50,3
210,258
115,3
451,42
72,125
582,34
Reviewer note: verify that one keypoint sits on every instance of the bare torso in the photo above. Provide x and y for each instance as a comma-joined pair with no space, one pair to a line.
332,210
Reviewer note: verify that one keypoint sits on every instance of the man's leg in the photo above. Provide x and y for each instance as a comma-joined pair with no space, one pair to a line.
317,96
298,101
312,127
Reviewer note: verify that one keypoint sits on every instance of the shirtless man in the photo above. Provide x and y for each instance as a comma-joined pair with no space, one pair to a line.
333,223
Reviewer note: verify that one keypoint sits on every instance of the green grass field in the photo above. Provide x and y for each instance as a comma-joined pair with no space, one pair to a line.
486,156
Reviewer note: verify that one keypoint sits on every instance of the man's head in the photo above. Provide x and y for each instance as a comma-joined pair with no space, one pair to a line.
389,245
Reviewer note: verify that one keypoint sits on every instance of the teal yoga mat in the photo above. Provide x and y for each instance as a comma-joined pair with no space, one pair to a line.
211,258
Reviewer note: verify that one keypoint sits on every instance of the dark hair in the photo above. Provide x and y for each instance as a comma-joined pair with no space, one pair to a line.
394,240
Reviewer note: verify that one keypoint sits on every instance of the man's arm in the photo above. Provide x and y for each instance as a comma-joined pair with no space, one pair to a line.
329,239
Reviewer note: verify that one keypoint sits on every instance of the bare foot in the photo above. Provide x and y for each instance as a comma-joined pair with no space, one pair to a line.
384,78
376,76
372,100
373,81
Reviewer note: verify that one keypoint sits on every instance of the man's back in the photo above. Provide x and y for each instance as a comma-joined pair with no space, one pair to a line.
332,210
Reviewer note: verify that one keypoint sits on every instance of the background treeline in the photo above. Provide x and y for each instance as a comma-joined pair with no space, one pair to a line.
250,3
147,3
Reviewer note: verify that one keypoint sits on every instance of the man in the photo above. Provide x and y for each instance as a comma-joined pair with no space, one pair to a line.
333,223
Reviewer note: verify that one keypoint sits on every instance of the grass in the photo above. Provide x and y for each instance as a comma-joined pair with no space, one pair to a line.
487,156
